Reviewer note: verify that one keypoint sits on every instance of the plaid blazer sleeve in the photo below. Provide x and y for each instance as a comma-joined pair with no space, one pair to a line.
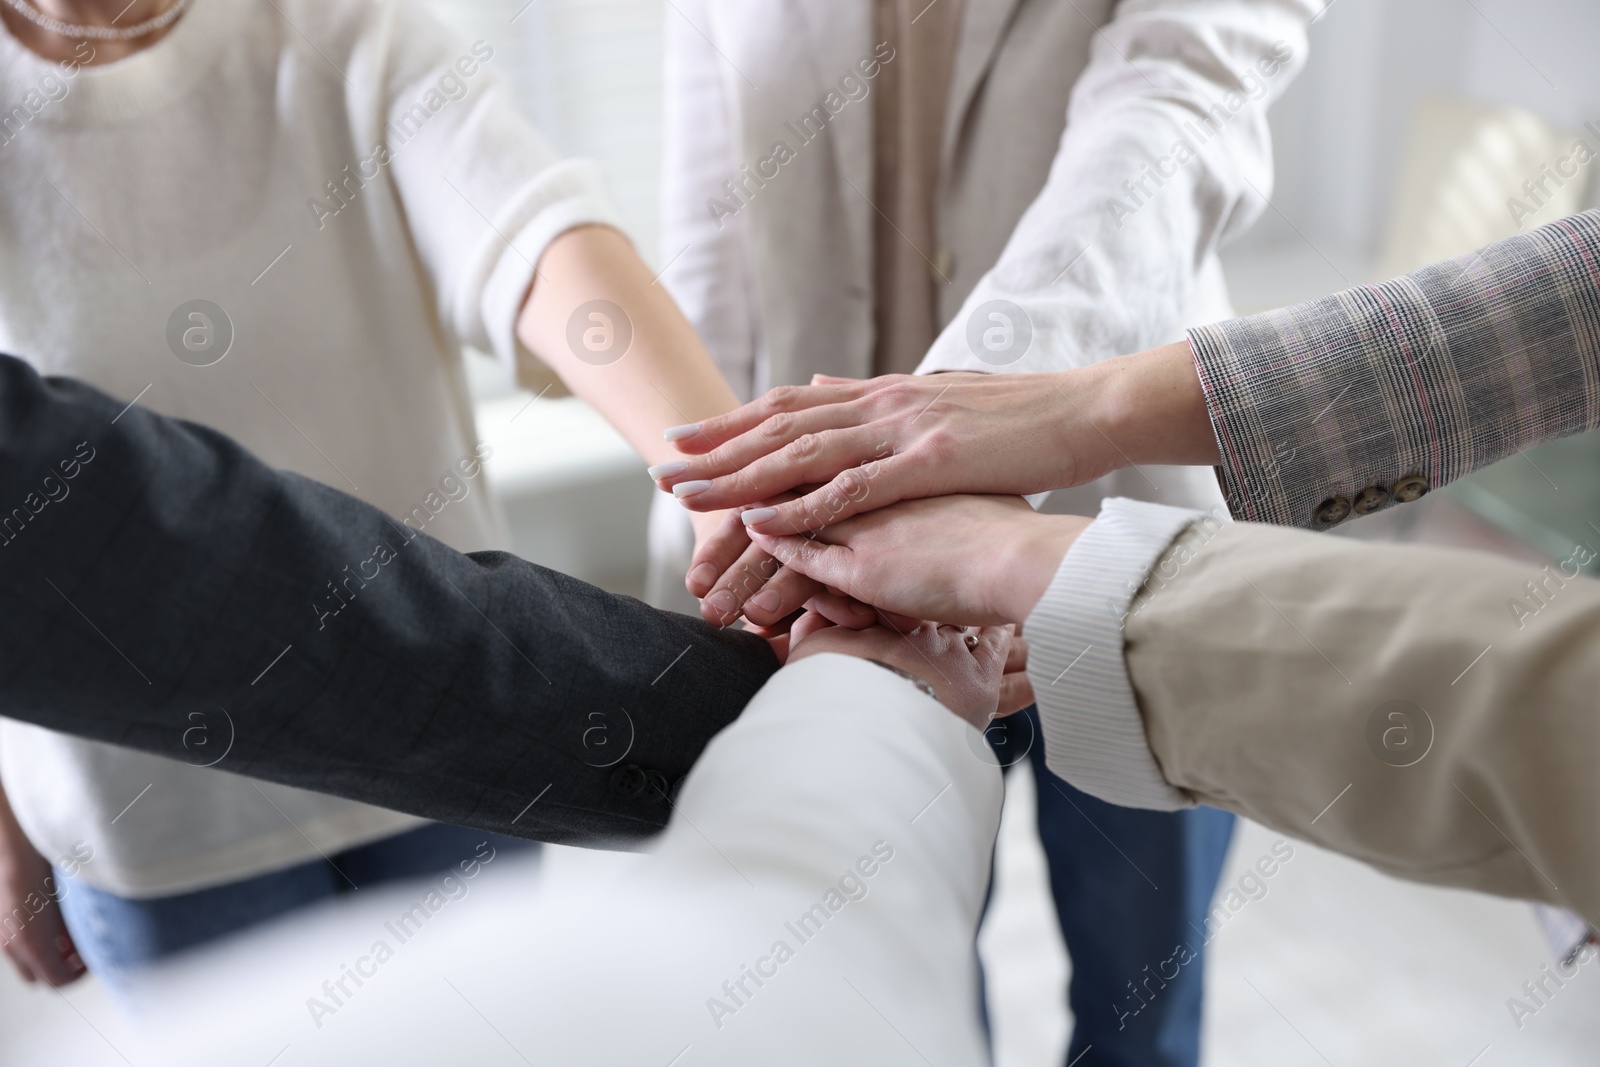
1344,405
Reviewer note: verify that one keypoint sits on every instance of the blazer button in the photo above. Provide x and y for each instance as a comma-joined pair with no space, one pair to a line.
1369,500
1331,512
656,785
1409,488
628,781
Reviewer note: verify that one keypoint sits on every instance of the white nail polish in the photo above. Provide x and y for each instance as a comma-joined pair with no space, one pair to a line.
667,470
683,489
755,515
678,433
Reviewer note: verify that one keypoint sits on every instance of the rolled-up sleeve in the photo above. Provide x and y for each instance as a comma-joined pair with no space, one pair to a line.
483,192
1175,98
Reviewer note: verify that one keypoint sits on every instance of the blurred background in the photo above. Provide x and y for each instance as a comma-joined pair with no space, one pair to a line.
1414,125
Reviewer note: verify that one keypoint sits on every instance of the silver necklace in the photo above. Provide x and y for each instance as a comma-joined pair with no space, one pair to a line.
99,33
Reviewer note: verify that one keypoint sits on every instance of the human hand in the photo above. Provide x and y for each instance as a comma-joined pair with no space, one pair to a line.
881,441
868,444
41,950
966,560
733,577
976,673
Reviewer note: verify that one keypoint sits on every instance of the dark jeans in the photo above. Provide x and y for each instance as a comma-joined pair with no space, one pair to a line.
1130,888
116,935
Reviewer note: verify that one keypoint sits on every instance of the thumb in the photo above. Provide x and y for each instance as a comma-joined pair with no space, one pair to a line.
832,379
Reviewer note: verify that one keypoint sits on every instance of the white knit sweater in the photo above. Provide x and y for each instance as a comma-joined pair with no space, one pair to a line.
355,193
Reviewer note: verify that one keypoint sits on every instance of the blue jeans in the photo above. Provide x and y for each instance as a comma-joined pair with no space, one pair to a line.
117,935
1132,889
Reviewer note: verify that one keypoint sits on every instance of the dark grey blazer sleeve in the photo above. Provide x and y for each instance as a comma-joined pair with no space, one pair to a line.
1343,405
160,588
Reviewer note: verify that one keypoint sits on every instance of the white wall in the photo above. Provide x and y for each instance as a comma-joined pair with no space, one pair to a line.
1342,127
588,73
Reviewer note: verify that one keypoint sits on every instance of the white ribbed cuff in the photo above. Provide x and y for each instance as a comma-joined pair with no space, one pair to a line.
1093,734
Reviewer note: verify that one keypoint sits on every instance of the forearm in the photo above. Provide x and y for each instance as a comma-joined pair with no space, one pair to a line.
1313,413
1150,408
635,359
334,648
1380,701
1377,700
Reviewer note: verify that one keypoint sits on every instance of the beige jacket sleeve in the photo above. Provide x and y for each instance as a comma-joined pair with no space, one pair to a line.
1430,712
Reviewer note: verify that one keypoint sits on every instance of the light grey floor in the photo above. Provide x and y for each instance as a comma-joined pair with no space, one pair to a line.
1335,965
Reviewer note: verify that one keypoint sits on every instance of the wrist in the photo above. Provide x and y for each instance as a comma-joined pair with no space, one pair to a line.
917,680
1153,406
1029,564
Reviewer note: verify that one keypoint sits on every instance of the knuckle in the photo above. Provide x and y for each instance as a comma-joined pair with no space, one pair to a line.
783,398
812,515
898,393
807,446
777,427
852,485
938,444
727,458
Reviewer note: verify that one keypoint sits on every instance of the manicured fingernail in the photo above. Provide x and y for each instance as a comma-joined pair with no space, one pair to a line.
725,603
678,433
667,470
767,600
683,489
702,576
755,515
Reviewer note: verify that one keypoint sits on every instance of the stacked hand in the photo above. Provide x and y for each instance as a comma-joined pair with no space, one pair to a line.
868,444
869,505
802,460
963,560
977,672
